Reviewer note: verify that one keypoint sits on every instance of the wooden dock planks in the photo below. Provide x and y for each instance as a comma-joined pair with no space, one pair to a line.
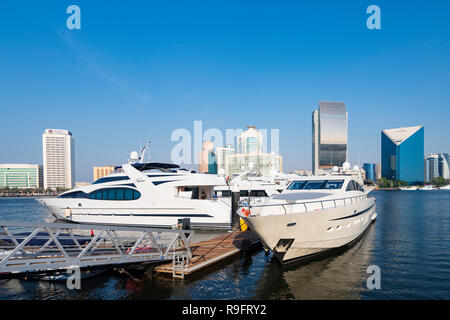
211,251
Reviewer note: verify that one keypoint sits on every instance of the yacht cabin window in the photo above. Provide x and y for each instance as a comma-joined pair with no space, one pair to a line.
315,184
115,194
242,193
354,186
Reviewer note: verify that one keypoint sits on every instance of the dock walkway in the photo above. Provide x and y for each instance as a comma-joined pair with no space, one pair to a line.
211,251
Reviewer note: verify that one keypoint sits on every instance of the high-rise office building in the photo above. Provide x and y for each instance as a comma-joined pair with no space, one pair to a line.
378,171
329,136
59,159
221,155
370,170
21,176
437,165
249,141
431,167
402,154
444,165
249,156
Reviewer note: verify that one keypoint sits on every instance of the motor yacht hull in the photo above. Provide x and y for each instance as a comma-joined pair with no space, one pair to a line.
202,214
296,236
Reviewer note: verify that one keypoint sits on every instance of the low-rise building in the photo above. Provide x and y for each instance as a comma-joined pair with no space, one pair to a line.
21,176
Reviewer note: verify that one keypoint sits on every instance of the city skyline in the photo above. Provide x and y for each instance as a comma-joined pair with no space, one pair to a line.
113,91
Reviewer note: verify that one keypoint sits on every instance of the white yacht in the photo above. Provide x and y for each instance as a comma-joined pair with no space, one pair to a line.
427,188
146,194
313,215
447,187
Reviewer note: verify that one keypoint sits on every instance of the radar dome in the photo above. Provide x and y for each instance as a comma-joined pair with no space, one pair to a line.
346,165
335,169
355,168
134,156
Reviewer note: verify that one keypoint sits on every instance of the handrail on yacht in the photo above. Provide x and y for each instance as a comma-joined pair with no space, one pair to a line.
247,204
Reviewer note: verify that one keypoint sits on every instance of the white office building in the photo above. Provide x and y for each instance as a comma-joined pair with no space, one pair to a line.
437,165
221,154
249,141
249,156
58,159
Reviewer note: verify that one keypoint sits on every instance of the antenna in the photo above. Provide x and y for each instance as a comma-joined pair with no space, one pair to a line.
144,149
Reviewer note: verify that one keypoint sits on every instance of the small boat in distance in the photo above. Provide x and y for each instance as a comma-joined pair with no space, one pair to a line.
427,188
409,188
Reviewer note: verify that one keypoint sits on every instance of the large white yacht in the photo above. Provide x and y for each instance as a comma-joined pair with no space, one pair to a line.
146,194
313,215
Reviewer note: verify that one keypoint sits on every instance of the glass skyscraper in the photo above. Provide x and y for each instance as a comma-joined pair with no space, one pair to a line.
369,168
329,136
402,154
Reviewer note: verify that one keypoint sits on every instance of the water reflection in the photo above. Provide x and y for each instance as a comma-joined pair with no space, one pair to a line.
338,276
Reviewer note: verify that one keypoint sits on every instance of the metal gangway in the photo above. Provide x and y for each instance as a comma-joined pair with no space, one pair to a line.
37,247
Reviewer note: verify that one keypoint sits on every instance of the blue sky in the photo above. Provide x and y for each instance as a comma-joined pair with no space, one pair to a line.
138,70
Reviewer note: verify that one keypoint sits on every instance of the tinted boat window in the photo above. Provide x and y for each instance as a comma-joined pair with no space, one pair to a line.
128,194
316,184
112,194
226,193
120,194
76,194
353,185
243,193
258,193
334,184
297,185
115,194
319,184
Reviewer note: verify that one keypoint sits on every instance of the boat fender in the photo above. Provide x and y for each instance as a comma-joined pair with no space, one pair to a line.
68,212
245,212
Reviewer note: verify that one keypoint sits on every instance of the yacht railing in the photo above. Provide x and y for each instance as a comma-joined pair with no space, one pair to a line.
353,199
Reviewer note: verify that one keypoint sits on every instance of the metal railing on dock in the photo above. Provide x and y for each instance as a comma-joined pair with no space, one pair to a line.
37,247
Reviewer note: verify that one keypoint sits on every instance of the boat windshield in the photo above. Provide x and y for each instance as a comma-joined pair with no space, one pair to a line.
315,184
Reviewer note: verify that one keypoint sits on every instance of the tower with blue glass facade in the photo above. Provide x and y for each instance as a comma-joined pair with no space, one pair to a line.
369,168
402,154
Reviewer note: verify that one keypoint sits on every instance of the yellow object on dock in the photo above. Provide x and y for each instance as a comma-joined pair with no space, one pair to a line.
243,224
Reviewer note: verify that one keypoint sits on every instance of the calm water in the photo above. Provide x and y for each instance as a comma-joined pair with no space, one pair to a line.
410,242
